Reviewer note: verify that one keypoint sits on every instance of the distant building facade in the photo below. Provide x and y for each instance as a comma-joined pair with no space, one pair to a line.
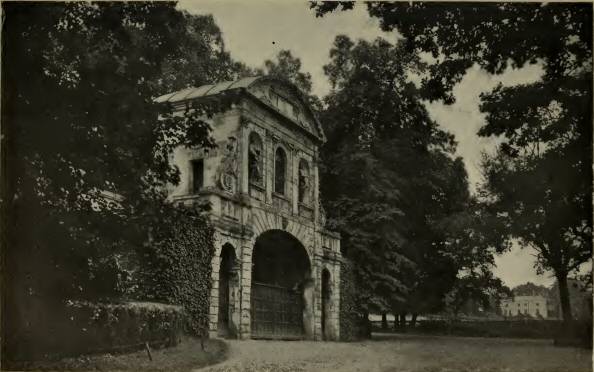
276,271
531,306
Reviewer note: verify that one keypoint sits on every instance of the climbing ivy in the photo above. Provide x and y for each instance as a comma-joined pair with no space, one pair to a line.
176,264
350,309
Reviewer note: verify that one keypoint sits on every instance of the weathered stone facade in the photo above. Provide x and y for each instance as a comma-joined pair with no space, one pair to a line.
270,130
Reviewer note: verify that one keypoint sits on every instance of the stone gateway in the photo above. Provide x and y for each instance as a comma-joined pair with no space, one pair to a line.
276,272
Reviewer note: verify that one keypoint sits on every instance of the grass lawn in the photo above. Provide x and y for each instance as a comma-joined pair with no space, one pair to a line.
470,354
184,357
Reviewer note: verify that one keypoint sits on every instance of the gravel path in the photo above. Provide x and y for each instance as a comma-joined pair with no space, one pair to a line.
404,353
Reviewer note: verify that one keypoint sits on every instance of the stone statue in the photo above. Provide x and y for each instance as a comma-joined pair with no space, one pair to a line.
304,185
255,163
227,173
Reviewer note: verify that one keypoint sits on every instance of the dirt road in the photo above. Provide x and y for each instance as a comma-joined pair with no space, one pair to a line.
404,353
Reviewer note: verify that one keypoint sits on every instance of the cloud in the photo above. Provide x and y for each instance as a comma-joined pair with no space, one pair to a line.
464,119
256,31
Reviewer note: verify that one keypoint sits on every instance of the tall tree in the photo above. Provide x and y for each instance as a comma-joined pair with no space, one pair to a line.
539,182
388,176
287,66
84,146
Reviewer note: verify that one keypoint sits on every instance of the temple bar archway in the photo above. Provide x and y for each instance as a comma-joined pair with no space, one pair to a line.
282,288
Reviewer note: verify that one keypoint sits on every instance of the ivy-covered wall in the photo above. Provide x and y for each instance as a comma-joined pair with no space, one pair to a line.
350,316
176,265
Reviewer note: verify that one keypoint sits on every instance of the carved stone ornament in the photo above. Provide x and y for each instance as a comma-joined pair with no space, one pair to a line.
227,173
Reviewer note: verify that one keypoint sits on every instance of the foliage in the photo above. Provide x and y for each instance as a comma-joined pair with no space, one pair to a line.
538,329
349,312
288,67
530,289
539,182
86,147
480,287
389,178
89,327
176,265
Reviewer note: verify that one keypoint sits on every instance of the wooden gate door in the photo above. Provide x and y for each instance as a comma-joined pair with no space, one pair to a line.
276,312
223,323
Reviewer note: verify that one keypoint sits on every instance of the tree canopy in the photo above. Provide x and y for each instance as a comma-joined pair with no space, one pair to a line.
389,178
85,147
538,184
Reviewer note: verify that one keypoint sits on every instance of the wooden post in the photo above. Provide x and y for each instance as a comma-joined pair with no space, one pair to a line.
148,350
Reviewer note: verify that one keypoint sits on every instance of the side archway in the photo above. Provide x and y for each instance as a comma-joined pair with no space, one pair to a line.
228,288
326,304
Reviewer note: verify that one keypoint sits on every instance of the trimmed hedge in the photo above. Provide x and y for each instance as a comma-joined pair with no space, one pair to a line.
578,334
86,328
514,329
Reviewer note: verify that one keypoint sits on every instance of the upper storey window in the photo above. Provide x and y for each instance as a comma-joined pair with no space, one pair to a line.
197,175
280,171
304,182
255,160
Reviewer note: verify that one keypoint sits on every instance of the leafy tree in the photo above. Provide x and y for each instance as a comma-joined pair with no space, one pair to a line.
85,148
479,286
388,177
539,182
530,289
288,67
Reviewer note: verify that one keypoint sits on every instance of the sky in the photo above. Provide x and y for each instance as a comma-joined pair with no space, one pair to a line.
255,31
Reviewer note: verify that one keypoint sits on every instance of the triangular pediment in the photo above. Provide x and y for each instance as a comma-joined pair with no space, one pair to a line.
279,95
286,99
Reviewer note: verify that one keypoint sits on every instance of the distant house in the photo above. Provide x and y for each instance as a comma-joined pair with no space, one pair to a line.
527,306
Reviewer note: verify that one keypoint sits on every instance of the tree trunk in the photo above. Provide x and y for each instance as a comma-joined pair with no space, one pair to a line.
384,321
413,320
564,298
365,326
396,323
403,320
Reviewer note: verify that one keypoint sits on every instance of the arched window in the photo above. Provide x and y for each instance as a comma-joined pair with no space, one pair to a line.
255,160
304,182
280,171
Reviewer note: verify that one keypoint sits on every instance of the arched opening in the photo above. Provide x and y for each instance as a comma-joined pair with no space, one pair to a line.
280,171
326,291
282,290
227,289
255,160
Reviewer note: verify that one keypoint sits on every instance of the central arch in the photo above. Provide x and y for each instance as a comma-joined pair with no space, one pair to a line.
282,288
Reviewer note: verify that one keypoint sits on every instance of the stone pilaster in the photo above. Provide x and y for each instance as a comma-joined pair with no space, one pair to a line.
317,269
245,288
214,295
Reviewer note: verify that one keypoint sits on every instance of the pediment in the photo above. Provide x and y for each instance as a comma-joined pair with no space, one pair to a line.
284,98
279,95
